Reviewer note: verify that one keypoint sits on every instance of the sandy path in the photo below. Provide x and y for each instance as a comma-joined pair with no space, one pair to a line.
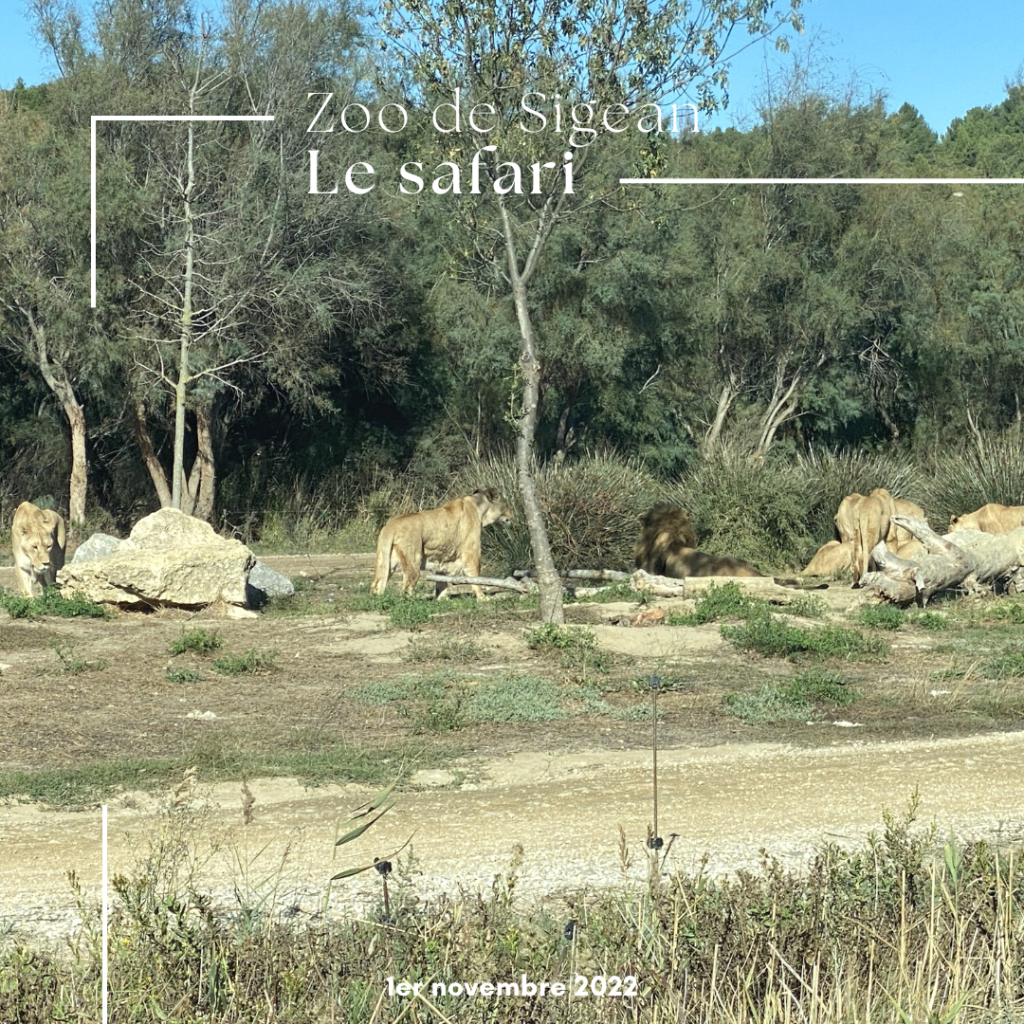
564,809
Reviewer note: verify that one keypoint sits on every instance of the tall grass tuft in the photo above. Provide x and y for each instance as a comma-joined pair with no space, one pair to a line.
901,928
963,479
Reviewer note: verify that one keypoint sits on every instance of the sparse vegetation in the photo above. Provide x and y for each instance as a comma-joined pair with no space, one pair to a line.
576,645
197,641
932,900
251,663
775,639
50,602
182,675
881,616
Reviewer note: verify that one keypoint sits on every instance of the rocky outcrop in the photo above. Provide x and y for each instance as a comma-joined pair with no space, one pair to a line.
169,559
99,545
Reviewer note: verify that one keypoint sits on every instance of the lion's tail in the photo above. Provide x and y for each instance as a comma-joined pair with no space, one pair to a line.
382,569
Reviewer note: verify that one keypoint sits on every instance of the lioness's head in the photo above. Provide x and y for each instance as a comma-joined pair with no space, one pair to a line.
491,507
36,545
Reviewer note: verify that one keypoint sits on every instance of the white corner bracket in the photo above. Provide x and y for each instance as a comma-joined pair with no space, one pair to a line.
141,117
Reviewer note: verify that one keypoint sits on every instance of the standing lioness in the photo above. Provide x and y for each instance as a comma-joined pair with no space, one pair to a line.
448,537
37,540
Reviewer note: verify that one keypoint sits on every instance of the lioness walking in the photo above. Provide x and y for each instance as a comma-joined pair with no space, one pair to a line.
38,542
447,537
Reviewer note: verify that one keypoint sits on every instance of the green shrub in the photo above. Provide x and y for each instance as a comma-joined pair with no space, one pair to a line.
1008,664
577,646
771,703
592,506
822,686
881,616
514,698
50,602
252,663
930,620
198,641
720,601
182,675
758,512
773,638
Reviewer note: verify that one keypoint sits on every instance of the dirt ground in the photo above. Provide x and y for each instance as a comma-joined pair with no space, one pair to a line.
562,790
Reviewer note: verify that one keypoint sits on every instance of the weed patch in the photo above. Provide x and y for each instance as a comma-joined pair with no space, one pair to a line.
577,646
182,675
881,616
775,639
1009,664
198,641
515,698
50,602
71,663
251,663
721,602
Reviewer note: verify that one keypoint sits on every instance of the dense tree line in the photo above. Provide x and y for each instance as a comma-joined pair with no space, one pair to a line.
313,341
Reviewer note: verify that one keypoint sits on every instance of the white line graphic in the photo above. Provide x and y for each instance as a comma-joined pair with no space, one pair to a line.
821,181
103,981
143,117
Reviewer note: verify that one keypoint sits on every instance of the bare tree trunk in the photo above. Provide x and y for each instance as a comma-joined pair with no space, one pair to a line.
205,495
185,338
544,564
972,423
152,463
725,400
57,382
784,403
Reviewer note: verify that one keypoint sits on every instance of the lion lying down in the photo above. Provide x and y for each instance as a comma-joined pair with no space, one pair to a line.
38,541
667,547
448,538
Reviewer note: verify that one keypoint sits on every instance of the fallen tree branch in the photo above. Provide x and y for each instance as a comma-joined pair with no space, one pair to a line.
520,586
580,574
660,586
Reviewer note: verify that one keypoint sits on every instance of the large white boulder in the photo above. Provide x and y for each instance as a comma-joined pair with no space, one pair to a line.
168,559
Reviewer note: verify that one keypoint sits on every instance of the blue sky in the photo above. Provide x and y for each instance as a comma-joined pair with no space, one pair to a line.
941,56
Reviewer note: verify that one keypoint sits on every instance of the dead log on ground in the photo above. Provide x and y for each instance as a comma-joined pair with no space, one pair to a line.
967,558
660,586
580,574
519,586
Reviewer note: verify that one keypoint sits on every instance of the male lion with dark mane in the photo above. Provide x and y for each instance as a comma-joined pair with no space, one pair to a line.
447,537
37,540
667,547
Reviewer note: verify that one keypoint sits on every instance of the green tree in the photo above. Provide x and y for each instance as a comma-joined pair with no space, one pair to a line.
493,55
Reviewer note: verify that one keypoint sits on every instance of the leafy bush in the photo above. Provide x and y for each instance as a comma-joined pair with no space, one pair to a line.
773,638
592,507
758,512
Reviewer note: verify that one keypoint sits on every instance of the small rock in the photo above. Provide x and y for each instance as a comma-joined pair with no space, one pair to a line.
267,583
205,715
